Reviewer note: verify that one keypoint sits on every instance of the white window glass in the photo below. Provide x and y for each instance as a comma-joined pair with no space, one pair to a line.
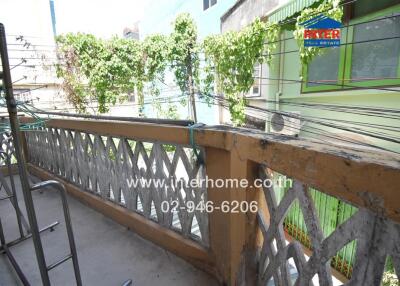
257,73
374,58
324,69
206,4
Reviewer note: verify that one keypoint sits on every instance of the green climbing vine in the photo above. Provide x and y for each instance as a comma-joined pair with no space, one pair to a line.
96,69
105,71
184,52
330,8
184,57
233,56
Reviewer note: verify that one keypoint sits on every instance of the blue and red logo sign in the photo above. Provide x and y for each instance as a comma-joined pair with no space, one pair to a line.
321,31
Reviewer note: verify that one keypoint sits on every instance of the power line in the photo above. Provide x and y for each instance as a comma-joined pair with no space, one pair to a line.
33,89
325,124
30,45
332,84
341,44
321,132
17,65
318,104
22,78
147,102
26,36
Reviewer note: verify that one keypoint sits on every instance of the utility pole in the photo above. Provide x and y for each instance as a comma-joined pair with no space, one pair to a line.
192,98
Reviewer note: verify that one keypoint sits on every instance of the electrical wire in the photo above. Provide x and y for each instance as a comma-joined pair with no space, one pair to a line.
33,89
17,65
341,44
331,84
326,124
321,132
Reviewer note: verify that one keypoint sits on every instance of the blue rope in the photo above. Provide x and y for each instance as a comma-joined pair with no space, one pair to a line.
199,156
28,109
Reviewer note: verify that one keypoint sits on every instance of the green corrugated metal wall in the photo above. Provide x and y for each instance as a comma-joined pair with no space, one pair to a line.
331,212
290,9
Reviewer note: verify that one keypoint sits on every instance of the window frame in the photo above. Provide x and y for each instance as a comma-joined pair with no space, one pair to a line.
341,67
345,60
349,52
257,82
210,4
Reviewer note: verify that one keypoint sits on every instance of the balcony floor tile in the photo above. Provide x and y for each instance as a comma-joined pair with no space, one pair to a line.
108,253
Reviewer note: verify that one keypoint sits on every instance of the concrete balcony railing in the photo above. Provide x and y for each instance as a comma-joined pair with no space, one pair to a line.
95,160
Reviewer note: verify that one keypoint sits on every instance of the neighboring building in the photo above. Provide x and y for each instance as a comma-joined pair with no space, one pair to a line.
347,70
344,76
32,40
132,32
206,14
350,71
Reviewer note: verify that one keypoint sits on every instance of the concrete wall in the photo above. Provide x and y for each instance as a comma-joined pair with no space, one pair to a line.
244,12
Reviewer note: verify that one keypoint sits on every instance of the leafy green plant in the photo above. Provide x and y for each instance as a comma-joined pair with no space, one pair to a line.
184,57
390,279
155,54
105,71
165,109
233,56
96,69
329,8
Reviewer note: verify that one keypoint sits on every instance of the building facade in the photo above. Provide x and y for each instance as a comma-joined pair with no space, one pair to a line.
364,71
31,48
132,32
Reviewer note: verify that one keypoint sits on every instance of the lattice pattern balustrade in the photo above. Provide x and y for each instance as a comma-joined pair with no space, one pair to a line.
107,166
281,262
6,145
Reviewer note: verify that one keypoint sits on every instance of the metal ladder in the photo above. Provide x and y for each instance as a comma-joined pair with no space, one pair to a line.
5,247
73,254
27,189
12,194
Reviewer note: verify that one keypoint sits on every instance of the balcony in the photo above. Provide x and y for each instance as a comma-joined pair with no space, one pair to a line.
124,231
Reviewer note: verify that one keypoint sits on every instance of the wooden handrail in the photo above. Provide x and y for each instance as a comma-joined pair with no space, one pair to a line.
361,177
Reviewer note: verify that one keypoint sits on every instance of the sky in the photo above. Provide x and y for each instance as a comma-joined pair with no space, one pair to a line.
102,18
